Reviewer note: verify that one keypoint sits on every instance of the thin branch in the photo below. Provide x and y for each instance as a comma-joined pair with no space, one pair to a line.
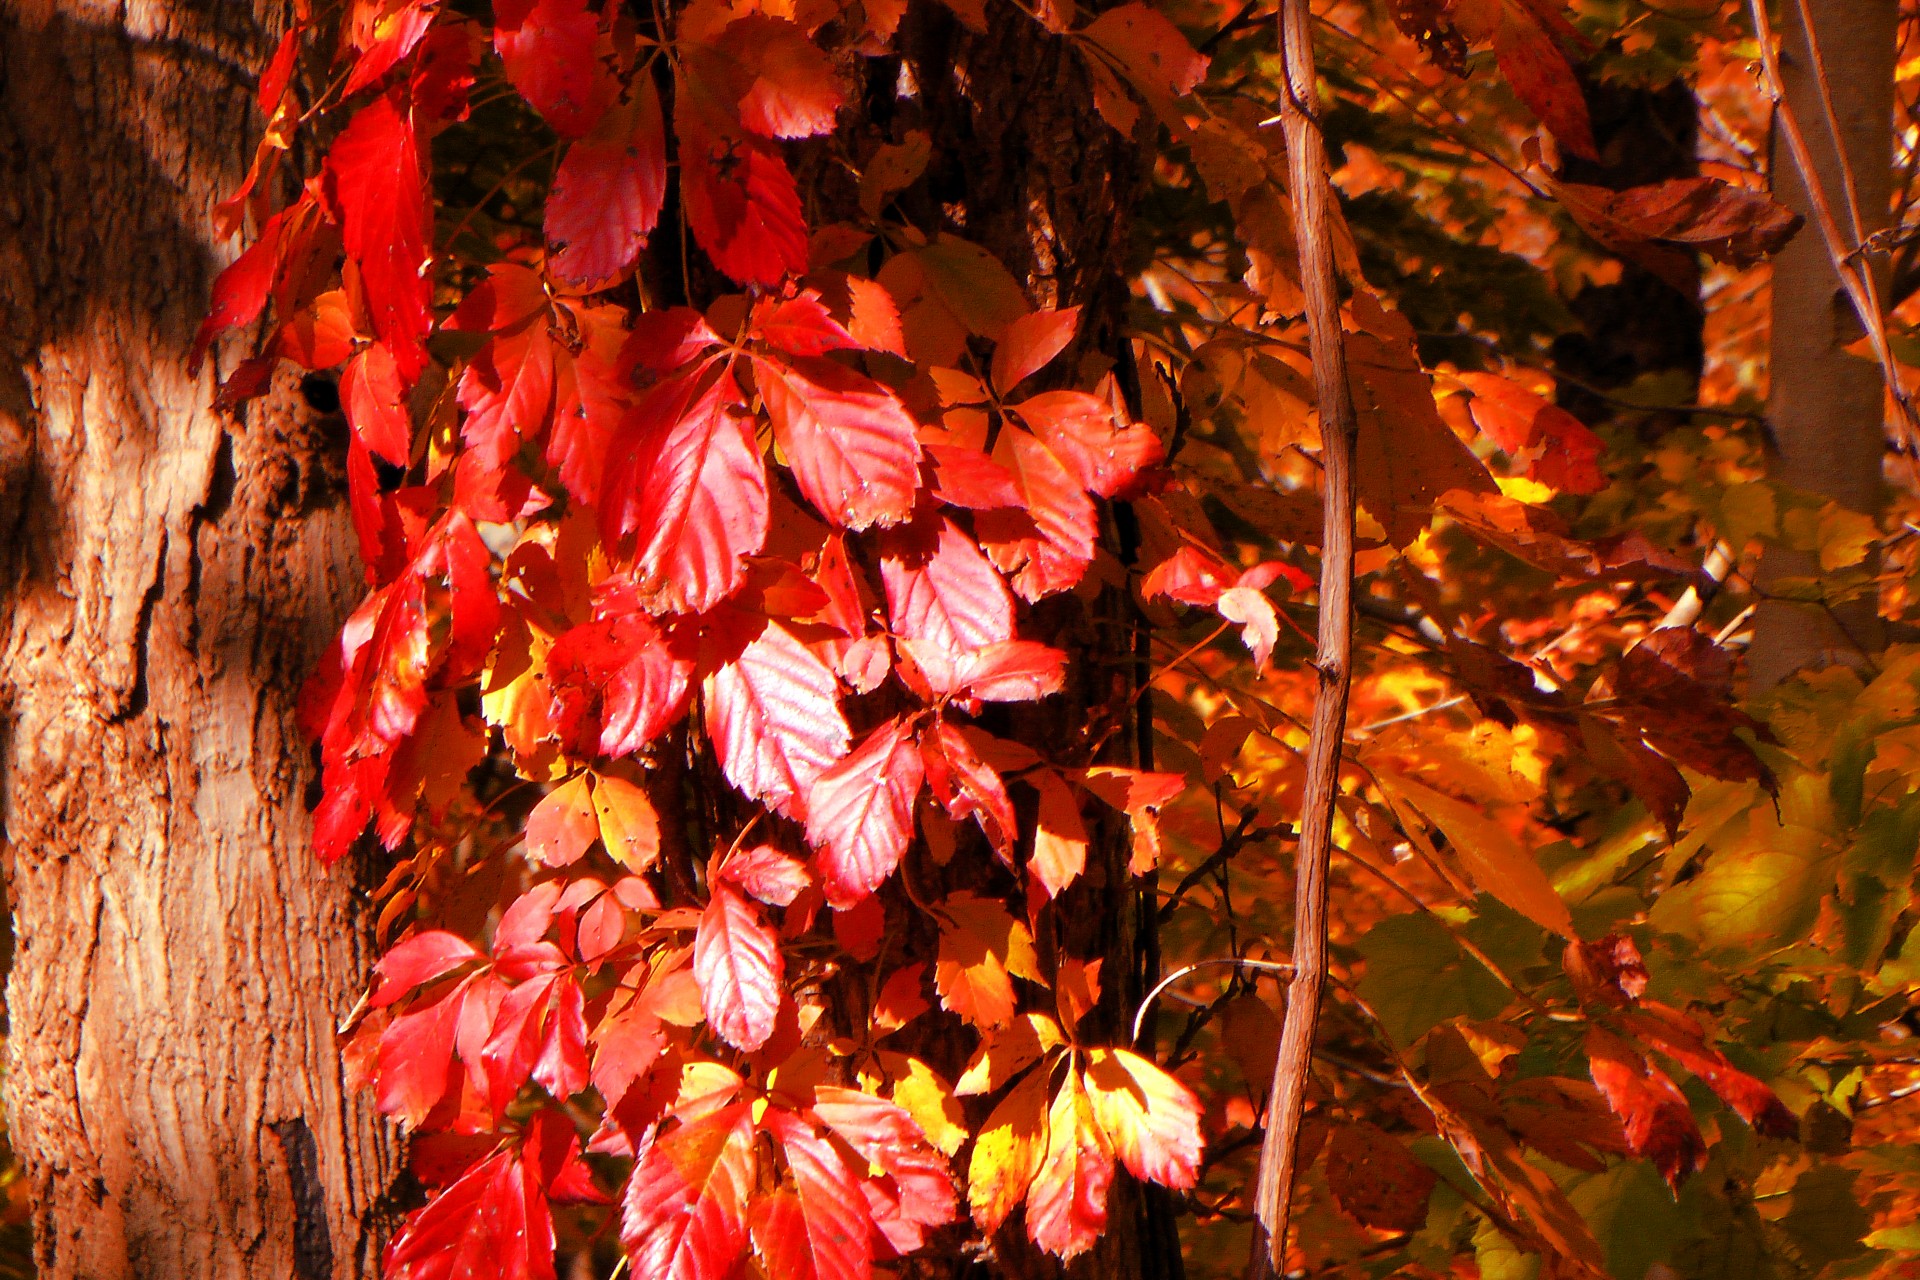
1238,962
1312,214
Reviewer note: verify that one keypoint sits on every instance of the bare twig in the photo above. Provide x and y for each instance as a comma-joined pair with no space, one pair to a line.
1307,175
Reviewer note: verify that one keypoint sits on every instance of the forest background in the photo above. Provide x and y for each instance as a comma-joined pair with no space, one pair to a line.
961,638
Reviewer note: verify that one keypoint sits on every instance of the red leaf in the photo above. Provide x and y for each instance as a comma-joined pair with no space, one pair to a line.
1659,1124
737,960
742,204
685,480
608,192
966,477
556,55
685,1213
1538,71
1048,545
416,1051
550,1150
1376,1179
377,190
860,812
417,961
787,85
240,290
1151,1120
491,1222
443,73
519,1030
941,590
375,397
1004,671
1609,971
848,440
510,296
279,73
1029,344
616,685
507,391
561,1068
831,1235
1683,1040
800,325
381,34
1189,575
1518,420
1104,455
774,719
591,394
767,874
1675,688
966,785
667,340
563,826
474,600
889,1139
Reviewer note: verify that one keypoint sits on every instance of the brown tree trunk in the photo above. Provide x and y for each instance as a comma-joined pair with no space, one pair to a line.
170,575
1826,406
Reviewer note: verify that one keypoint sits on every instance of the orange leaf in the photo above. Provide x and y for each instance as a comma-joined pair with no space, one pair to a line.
1029,344
563,826
981,945
1059,837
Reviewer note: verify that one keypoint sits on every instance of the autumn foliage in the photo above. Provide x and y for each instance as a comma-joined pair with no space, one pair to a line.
735,774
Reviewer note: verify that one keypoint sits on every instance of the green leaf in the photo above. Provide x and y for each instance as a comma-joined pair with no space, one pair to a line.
1760,890
1827,1220
1417,977
1633,1216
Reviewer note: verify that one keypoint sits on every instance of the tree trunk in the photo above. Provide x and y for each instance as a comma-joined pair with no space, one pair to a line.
170,575
1826,406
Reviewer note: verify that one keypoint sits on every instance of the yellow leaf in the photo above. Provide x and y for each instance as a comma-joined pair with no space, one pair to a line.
1492,856
629,826
1009,1051
921,1093
1008,1152
1150,1118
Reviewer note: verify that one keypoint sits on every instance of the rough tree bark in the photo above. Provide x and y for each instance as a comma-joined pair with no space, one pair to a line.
170,574
1826,406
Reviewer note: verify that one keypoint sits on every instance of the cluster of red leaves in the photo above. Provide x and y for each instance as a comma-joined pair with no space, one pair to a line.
595,532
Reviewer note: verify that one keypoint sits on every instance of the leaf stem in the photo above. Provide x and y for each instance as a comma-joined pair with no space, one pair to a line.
1312,214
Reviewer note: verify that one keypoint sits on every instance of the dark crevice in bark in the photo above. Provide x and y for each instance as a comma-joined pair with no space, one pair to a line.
312,1241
